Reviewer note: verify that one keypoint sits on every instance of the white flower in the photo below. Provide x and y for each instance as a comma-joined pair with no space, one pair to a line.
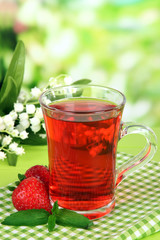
13,146
68,80
35,92
19,150
25,124
42,135
46,100
35,128
2,125
30,108
20,128
9,123
39,113
2,155
24,135
23,116
18,107
6,140
44,127
13,115
22,96
35,121
15,133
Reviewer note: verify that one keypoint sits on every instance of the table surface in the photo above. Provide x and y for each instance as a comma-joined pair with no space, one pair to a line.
131,144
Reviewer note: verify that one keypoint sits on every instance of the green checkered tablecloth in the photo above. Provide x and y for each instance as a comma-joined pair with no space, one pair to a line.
135,216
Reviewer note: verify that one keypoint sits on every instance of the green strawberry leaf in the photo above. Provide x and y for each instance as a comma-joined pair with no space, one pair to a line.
17,183
11,188
21,177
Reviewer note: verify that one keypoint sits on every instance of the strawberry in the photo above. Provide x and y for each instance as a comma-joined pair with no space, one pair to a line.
40,172
31,193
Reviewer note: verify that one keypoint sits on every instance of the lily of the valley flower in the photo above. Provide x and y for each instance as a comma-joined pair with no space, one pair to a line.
30,108
18,107
24,117
25,124
15,133
2,125
23,135
35,124
39,114
19,151
35,92
13,146
2,155
13,115
6,140
8,121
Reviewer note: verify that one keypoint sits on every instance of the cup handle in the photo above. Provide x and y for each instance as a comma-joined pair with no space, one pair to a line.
141,158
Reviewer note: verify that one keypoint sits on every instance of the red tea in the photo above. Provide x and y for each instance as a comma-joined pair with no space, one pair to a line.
82,140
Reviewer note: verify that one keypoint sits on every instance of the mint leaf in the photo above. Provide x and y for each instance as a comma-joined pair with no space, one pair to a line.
55,207
70,218
31,217
51,222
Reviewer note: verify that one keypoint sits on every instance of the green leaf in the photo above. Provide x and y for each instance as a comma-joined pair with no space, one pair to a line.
55,207
21,177
51,222
70,218
9,96
17,183
11,188
34,139
82,81
31,217
13,80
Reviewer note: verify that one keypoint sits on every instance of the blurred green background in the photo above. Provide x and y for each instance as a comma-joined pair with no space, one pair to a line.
115,43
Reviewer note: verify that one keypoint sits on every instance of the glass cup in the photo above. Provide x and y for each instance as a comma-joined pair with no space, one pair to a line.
83,126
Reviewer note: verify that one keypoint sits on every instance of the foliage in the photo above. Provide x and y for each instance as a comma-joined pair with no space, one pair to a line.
23,122
115,43
12,82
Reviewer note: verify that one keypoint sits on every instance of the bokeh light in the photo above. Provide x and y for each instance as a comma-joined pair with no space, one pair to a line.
113,42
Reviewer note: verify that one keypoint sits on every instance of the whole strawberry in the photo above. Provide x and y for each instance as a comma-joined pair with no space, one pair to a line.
31,193
40,172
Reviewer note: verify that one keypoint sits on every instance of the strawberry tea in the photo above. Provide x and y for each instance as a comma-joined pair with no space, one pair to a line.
82,134
82,153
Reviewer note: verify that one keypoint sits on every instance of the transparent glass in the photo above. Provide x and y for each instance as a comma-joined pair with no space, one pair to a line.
83,126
